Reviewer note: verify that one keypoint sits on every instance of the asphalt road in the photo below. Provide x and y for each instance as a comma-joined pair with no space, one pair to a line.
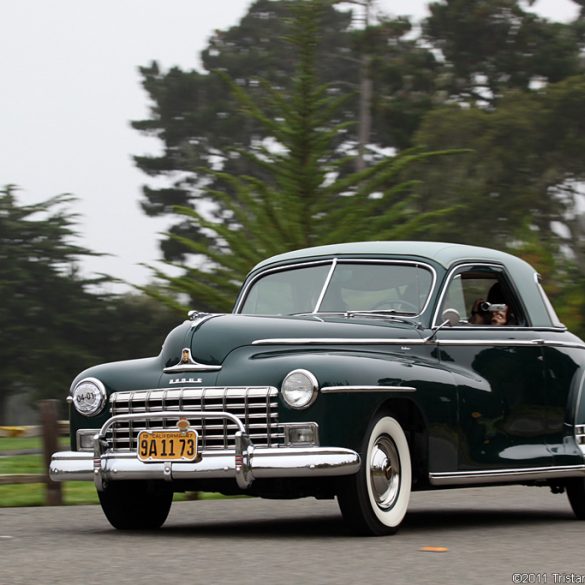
490,534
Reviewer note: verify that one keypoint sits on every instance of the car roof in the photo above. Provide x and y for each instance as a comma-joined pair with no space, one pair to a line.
443,253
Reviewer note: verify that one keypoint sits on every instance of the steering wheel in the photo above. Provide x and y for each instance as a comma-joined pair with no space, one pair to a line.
399,305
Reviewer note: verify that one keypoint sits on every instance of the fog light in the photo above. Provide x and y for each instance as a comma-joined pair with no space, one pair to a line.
301,434
86,439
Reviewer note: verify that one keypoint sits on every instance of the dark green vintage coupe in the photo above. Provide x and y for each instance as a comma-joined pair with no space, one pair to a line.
359,371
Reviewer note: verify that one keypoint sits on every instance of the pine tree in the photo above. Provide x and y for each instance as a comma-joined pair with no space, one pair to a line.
302,191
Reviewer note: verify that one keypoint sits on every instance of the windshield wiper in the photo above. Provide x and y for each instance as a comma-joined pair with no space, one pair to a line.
404,316
382,312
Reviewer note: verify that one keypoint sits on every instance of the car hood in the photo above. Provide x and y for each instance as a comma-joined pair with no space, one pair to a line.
214,338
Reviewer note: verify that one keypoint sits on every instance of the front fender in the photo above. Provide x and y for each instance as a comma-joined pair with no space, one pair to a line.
343,415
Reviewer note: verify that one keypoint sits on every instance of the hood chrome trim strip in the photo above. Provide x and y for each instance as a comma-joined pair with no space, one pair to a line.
409,342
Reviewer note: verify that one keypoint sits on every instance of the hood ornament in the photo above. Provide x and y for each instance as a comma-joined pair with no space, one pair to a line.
188,364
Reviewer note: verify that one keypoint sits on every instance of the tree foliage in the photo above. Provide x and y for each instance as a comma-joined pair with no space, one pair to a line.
200,121
522,181
300,191
493,46
488,76
53,321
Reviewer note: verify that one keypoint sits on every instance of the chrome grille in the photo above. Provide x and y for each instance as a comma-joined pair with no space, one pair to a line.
255,406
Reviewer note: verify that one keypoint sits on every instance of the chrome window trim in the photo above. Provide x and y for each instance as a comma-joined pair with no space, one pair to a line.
400,263
453,272
548,307
335,261
505,475
325,286
263,273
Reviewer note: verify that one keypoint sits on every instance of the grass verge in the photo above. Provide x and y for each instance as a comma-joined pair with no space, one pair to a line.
22,443
33,494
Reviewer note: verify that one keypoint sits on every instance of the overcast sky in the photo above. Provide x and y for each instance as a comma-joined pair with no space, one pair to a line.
70,86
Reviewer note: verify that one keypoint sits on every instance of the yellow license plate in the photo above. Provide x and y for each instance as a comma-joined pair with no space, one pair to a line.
167,446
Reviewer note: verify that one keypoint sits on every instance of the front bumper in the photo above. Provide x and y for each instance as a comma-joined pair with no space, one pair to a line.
244,463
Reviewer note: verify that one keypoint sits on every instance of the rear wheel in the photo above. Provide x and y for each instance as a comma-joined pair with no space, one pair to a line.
136,505
374,501
576,493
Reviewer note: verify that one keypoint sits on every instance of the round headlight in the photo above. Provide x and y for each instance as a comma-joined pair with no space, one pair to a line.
299,388
89,396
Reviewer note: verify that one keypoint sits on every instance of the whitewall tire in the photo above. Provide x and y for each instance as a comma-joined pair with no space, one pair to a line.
375,500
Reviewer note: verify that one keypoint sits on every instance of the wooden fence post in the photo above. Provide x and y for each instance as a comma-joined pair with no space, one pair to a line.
50,425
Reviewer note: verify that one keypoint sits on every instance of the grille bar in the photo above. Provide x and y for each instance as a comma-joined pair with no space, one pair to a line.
255,406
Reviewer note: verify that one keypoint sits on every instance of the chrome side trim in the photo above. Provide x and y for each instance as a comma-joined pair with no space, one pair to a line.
337,341
505,475
358,389
564,344
411,342
508,343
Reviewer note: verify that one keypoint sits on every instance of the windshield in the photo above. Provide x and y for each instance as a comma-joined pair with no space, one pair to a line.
340,287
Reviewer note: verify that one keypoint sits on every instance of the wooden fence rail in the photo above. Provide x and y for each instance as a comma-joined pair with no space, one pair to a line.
50,434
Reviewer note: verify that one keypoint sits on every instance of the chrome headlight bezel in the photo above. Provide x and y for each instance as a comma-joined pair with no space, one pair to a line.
94,399
299,389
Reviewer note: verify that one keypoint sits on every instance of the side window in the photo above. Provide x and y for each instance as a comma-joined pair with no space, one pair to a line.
482,296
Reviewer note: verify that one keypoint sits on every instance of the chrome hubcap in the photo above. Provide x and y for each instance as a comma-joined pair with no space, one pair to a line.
385,472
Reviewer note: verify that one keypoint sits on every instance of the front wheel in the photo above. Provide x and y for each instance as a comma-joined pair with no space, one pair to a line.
136,505
374,501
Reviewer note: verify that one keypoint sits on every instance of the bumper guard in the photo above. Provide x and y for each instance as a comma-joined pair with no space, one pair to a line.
244,463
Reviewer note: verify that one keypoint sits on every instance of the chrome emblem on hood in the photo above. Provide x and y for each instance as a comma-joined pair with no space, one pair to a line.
188,364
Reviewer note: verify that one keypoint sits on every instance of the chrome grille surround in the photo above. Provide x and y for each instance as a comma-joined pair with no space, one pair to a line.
255,406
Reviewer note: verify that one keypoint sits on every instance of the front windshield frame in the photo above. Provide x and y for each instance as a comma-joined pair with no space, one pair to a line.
333,263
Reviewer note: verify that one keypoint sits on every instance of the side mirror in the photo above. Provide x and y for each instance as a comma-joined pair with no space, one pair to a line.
451,317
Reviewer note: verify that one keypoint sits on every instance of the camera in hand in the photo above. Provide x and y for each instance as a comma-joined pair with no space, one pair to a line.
486,307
